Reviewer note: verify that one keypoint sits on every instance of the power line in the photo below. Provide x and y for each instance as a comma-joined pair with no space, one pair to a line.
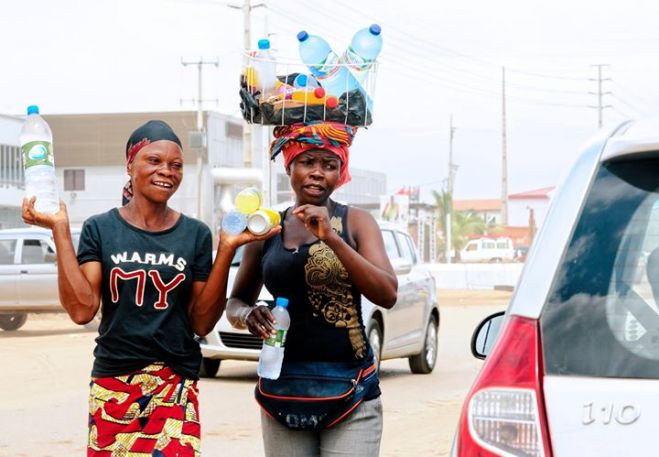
452,52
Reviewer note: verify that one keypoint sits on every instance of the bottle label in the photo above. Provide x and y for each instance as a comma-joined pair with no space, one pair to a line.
277,340
38,153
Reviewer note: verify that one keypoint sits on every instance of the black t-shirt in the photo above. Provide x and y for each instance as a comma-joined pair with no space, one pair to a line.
145,292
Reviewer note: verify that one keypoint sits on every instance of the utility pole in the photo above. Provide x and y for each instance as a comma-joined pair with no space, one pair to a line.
197,138
451,178
600,93
504,152
247,8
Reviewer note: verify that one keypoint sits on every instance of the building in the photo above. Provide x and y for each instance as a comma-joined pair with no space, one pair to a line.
487,209
12,183
530,207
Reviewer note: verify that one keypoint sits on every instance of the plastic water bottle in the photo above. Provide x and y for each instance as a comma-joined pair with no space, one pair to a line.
234,222
317,54
364,48
303,81
272,354
38,162
264,67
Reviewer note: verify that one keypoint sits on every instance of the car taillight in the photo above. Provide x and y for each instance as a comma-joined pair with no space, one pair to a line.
504,413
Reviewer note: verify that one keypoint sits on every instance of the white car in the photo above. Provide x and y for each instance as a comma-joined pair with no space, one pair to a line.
574,369
409,329
487,249
28,274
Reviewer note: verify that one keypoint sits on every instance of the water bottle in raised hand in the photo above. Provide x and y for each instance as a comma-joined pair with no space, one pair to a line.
36,141
272,353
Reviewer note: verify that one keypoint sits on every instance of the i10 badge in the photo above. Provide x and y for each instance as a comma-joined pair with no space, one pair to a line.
607,413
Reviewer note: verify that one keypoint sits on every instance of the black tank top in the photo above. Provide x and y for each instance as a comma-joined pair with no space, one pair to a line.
325,307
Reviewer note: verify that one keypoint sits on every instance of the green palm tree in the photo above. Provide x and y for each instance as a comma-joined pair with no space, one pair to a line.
463,224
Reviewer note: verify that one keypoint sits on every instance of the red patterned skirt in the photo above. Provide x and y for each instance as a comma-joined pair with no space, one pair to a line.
152,412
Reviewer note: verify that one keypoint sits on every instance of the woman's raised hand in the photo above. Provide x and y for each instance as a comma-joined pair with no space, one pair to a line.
316,220
33,217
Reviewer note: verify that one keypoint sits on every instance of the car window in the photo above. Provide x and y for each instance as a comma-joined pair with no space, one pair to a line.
390,245
405,248
602,316
471,246
7,250
36,251
412,249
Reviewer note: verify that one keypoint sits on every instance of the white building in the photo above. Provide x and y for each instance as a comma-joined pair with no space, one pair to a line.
11,172
525,206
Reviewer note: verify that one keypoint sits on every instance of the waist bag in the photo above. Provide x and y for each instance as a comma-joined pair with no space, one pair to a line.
315,395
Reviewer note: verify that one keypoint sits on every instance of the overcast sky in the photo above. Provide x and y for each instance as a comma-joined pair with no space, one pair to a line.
439,58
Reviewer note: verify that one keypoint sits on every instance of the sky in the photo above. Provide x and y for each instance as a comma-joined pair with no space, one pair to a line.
439,59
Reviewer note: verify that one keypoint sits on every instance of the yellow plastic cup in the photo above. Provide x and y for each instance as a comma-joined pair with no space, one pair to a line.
248,200
260,222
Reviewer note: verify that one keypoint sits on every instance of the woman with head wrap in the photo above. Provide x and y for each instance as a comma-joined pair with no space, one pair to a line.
326,256
150,269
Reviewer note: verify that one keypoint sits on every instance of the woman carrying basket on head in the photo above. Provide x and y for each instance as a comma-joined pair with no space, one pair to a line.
326,256
150,269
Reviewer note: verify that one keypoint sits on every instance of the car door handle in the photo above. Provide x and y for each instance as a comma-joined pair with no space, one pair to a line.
24,272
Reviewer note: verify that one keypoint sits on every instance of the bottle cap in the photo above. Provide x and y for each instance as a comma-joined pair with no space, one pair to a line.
303,35
264,43
32,109
300,80
331,102
281,301
375,29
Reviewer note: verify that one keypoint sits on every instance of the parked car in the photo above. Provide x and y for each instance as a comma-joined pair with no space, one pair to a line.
409,329
488,249
28,274
574,369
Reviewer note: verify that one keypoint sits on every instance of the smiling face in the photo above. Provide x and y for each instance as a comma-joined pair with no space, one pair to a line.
314,175
157,171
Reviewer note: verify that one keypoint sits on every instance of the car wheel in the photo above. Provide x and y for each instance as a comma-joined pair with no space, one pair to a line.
12,322
209,367
375,340
424,362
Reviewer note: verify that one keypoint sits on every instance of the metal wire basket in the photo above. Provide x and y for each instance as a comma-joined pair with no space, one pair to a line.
341,94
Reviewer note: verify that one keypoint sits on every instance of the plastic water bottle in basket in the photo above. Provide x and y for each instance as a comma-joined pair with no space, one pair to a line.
364,48
324,64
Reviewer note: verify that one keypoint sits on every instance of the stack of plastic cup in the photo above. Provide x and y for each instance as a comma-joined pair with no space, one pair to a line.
248,214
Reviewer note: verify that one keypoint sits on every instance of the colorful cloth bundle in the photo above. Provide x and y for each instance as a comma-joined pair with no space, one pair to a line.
153,412
293,140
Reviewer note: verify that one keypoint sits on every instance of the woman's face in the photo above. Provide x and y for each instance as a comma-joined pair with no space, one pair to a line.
157,171
314,175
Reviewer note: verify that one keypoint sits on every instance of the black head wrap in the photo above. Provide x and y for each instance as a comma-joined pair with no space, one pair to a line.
146,134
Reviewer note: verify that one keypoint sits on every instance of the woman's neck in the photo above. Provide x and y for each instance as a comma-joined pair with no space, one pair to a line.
148,216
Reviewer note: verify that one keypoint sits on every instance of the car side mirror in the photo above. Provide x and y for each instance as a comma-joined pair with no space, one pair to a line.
486,335
50,257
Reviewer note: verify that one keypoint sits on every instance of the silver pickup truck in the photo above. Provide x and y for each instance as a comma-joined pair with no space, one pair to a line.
28,274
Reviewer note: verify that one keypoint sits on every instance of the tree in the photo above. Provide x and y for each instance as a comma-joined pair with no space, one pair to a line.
463,224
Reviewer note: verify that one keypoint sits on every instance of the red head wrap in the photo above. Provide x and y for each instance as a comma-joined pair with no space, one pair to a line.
293,140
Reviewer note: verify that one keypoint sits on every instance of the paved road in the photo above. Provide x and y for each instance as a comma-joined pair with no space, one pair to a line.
44,386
